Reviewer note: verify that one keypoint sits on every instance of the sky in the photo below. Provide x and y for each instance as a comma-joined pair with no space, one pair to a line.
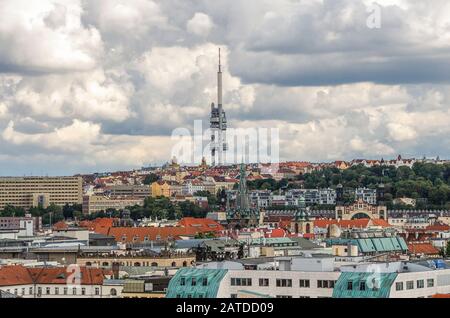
100,85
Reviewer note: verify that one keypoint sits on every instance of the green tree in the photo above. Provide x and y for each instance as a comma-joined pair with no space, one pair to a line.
151,178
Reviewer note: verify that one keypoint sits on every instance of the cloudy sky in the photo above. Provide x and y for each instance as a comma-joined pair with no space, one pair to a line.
99,85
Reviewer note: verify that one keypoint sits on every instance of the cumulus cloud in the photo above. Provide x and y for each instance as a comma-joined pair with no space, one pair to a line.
46,36
200,24
100,85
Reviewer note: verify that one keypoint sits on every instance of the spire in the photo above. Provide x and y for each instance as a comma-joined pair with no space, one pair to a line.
220,62
219,84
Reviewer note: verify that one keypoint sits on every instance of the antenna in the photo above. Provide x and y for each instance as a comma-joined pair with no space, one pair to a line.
220,62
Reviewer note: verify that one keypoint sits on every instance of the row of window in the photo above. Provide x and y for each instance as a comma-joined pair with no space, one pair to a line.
399,286
194,281
48,291
264,282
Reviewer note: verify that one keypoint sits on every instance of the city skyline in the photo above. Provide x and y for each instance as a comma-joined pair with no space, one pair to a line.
114,79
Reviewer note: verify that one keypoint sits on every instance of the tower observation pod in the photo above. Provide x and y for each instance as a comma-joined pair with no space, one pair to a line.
218,124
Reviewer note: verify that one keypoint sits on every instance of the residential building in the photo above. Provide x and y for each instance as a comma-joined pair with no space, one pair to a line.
134,191
54,282
99,203
28,192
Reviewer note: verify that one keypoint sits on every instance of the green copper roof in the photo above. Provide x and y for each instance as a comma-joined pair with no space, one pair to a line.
195,283
361,285
372,245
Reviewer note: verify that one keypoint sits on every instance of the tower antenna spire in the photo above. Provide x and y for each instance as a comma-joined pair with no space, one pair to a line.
220,61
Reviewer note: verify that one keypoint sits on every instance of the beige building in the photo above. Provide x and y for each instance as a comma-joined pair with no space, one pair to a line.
28,192
361,210
99,203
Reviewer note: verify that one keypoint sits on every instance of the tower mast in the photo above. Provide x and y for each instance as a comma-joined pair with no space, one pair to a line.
218,122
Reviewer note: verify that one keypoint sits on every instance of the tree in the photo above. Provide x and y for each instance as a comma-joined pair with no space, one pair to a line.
447,250
151,178
11,211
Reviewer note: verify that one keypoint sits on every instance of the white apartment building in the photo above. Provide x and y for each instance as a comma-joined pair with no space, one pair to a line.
367,195
312,277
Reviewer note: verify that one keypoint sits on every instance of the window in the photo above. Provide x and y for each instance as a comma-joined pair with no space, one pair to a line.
31,290
205,281
194,281
233,295
410,284
182,281
65,291
325,283
304,283
264,282
39,291
284,282
74,291
241,282
430,283
283,296
23,291
97,291
399,286
15,291
362,286
47,290
113,292
56,291
349,285
420,283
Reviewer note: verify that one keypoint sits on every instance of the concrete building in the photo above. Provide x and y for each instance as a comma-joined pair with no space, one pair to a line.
26,226
55,282
312,277
28,192
98,203
285,277
134,191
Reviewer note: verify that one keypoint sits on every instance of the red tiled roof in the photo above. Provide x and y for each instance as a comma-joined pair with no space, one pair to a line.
139,234
422,248
61,275
438,228
380,222
441,296
20,275
360,223
61,225
203,225
14,275
275,233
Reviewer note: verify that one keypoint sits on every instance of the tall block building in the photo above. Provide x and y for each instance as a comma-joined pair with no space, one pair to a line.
28,192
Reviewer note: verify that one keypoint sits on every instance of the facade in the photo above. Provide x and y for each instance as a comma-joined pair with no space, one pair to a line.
295,278
54,282
28,192
313,277
98,203
134,191
166,189
27,226
393,280
367,195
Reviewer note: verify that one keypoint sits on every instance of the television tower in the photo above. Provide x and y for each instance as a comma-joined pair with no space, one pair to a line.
218,125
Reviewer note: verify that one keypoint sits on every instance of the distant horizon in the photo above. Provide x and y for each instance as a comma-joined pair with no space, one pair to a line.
161,164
